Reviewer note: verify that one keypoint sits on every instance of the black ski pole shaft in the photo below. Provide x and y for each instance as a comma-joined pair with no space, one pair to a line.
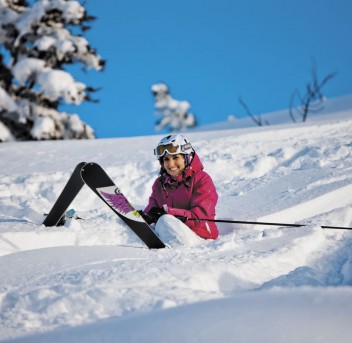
336,227
245,222
266,223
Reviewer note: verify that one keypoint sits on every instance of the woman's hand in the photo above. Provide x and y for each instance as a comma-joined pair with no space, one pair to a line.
156,212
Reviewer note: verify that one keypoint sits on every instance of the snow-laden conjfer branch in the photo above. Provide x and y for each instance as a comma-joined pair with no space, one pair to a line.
174,113
54,84
39,42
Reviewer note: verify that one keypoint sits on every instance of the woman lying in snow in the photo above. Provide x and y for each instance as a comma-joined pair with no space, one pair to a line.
183,191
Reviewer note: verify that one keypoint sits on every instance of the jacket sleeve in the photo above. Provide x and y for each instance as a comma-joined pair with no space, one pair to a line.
204,199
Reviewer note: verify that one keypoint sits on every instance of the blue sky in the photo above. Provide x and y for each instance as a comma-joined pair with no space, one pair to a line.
210,52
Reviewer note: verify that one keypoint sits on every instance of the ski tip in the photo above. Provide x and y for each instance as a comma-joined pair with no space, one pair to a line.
81,164
86,164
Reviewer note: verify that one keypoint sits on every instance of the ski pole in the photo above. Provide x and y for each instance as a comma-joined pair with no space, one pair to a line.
244,222
265,223
336,227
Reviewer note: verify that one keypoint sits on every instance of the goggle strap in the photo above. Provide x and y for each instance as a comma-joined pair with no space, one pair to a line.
186,146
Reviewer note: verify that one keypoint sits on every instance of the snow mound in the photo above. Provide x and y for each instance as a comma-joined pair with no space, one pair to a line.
93,280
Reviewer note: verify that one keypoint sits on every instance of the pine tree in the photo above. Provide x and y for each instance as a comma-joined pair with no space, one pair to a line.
39,41
175,115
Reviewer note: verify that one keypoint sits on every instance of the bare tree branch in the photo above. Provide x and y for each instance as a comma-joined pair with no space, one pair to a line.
313,99
258,121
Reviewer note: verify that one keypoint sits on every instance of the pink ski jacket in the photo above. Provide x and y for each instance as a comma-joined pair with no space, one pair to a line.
191,195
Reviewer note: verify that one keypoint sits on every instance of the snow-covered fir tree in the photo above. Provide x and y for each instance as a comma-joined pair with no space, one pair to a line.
37,40
174,113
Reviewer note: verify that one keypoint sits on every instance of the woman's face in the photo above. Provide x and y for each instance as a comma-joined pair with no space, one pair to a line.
174,164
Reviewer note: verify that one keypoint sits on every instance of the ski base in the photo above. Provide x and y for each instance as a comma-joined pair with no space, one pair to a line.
96,178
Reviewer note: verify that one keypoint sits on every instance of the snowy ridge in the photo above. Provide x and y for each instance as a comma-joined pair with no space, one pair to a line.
93,280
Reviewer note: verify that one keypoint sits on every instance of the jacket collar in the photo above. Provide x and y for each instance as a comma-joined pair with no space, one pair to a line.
195,166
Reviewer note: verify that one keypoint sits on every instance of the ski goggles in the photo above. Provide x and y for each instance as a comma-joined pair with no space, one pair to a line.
171,149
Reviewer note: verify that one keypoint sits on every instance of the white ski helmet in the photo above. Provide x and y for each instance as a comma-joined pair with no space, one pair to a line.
173,145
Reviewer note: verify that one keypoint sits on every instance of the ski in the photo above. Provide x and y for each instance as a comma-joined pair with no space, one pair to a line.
57,214
96,178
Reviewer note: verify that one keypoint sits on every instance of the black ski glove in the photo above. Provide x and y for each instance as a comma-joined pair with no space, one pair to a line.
156,212
148,218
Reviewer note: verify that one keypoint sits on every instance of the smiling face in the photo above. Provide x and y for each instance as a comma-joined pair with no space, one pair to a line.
174,164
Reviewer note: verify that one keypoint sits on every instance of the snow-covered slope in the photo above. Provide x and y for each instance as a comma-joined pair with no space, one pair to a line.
93,280
333,109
